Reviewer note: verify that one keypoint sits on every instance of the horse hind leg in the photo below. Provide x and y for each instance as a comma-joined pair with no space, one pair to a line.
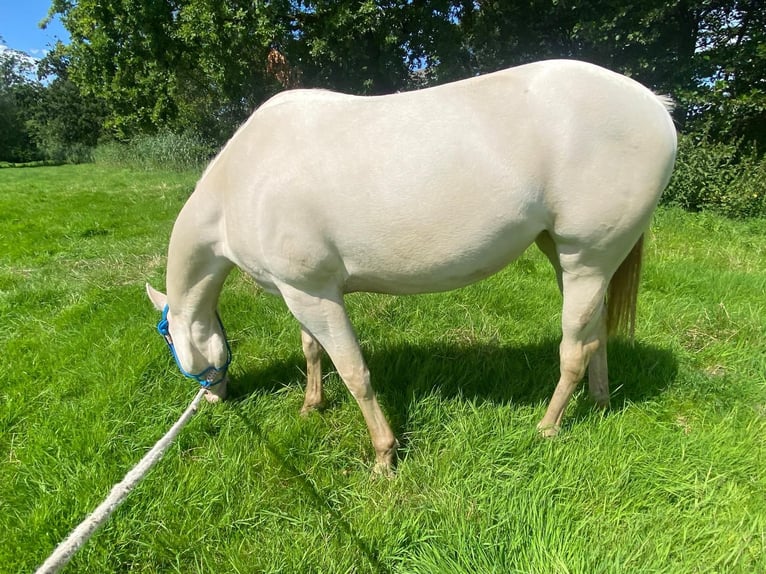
583,338
620,315
598,373
546,244
598,370
312,350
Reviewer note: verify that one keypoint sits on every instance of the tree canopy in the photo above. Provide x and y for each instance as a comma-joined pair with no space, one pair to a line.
43,114
203,65
17,96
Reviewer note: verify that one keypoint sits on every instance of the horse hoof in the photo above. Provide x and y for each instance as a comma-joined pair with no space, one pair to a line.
548,431
602,403
383,470
306,410
385,460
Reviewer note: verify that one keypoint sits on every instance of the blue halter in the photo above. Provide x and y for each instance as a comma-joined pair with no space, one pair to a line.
211,376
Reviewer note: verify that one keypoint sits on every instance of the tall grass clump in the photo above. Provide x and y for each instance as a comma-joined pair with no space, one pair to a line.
61,153
165,150
727,178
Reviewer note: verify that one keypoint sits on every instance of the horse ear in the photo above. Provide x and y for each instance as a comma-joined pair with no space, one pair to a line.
158,299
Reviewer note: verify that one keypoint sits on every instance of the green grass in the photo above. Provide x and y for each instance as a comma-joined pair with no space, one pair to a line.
671,479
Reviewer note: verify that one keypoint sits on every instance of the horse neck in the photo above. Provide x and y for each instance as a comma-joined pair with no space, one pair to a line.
197,266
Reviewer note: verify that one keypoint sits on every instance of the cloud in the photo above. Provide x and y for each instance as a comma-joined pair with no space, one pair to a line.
24,56
26,63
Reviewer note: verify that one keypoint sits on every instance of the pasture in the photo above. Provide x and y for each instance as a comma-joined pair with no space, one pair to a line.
671,479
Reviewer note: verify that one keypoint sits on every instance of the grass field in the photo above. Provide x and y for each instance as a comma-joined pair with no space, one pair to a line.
671,479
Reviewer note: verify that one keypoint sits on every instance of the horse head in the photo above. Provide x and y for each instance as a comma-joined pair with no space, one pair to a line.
199,347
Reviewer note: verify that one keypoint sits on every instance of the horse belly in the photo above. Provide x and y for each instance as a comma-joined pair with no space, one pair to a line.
405,276
423,254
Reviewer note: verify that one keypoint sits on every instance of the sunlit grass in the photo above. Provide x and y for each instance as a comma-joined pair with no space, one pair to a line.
671,479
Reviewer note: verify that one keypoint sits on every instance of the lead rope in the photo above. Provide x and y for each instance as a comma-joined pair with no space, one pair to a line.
80,535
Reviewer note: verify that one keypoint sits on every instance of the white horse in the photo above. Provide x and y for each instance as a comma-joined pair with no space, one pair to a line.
321,194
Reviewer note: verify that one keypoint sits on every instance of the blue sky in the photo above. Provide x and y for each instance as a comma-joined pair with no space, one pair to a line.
20,30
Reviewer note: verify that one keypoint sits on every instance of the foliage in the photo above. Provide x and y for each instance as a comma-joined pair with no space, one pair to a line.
728,178
164,150
711,56
730,68
48,120
358,47
65,124
194,64
202,65
18,96
670,479
647,40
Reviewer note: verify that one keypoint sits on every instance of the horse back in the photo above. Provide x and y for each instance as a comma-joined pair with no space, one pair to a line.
432,189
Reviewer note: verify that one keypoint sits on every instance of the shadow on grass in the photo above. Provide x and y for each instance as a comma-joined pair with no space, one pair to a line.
525,375
322,503
403,375
498,374
269,380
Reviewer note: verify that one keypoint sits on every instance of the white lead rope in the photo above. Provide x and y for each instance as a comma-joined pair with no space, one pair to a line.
80,535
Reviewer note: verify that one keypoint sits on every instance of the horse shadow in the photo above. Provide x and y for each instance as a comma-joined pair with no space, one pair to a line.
498,374
501,374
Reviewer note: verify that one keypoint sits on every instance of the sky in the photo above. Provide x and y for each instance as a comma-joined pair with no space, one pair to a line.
20,30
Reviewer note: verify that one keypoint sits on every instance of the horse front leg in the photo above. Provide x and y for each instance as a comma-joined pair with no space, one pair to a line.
312,350
323,314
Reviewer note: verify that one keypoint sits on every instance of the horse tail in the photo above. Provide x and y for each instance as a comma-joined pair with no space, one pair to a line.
623,292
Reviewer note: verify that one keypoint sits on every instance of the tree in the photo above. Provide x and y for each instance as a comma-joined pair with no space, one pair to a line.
220,69
183,64
650,40
64,124
18,93
708,54
203,65
43,115
357,47
730,57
